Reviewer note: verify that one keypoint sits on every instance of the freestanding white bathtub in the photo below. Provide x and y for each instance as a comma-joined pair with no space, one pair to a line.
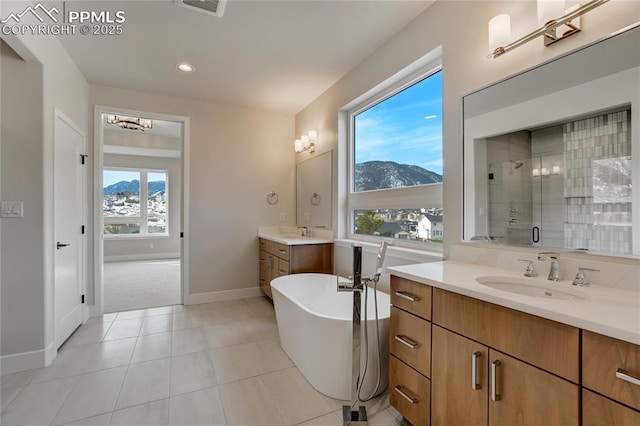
315,326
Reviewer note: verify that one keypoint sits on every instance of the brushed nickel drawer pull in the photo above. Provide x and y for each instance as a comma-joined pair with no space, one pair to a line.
282,271
407,296
282,251
406,394
475,385
407,341
622,374
495,395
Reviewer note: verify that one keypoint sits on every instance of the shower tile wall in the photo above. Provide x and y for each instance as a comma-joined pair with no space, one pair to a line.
510,188
549,207
597,187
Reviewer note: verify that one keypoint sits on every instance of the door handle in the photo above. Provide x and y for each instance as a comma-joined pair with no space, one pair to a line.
59,245
475,383
495,394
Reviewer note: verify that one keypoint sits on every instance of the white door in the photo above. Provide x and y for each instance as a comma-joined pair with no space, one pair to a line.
68,206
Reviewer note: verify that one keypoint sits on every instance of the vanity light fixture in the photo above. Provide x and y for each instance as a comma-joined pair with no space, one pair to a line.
307,142
131,123
552,28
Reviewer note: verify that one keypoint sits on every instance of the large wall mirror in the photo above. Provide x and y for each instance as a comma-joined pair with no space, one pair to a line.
551,154
313,191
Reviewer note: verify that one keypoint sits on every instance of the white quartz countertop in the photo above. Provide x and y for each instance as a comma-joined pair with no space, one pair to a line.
611,311
294,240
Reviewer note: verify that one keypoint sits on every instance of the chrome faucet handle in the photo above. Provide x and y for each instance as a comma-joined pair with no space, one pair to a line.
579,279
529,272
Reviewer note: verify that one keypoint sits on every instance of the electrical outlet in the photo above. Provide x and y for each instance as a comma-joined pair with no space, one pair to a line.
283,217
305,217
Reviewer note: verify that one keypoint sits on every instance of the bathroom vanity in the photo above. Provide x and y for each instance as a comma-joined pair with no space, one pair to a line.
292,254
465,353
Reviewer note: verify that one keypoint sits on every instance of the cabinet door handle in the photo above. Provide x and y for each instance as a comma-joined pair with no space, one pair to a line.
475,383
495,395
271,263
406,394
622,374
282,251
407,296
407,341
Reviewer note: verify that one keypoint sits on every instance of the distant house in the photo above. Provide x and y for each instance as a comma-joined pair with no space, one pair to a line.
402,229
430,227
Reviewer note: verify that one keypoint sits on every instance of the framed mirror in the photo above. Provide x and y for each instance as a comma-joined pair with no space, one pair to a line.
550,155
313,191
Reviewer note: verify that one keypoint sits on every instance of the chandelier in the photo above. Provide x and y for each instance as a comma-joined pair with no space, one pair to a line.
132,123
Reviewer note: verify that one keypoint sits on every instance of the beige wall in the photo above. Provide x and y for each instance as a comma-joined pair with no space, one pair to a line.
21,154
237,156
30,279
460,27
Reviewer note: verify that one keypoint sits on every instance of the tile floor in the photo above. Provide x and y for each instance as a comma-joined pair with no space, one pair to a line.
213,364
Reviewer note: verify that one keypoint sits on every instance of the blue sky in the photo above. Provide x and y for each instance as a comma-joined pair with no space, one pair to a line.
406,128
109,177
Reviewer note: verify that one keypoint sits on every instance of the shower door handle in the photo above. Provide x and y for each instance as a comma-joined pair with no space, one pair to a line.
535,234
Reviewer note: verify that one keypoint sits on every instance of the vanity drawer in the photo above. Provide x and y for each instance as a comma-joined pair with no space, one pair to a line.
262,244
409,392
600,411
263,262
410,340
515,333
271,247
603,360
411,296
283,252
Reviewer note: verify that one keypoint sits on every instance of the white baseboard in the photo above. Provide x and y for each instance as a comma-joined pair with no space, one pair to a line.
148,256
219,296
27,360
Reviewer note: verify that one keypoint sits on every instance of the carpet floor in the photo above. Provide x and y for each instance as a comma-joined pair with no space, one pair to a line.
141,284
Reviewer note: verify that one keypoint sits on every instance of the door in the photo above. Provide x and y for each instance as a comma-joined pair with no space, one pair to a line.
525,395
460,380
68,208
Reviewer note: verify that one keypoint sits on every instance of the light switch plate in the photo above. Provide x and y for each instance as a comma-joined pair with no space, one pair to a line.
12,209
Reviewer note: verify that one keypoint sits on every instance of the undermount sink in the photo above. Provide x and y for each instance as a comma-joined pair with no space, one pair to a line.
531,287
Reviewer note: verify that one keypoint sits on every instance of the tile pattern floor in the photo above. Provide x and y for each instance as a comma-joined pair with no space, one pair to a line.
213,364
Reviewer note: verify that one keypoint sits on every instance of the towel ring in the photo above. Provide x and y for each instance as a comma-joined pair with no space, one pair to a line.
315,199
272,198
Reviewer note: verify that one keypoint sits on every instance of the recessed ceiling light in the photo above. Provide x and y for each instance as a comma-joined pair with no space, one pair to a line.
185,67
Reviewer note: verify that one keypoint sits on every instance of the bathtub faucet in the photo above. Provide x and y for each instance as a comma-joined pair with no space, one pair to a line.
355,282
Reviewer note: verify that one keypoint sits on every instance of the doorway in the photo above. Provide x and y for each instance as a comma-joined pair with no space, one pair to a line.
140,210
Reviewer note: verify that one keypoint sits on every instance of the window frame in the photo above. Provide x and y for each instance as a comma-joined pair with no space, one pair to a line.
417,196
143,219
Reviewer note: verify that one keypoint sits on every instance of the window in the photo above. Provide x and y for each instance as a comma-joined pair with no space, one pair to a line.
396,163
135,202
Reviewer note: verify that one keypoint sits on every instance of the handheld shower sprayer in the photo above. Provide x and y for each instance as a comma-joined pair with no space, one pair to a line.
382,252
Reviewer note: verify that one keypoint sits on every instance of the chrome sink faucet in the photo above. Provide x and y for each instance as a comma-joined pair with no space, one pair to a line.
554,268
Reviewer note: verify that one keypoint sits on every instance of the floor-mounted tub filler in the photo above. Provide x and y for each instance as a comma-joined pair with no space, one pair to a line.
320,330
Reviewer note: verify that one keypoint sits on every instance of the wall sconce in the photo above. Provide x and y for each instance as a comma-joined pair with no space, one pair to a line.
552,27
307,142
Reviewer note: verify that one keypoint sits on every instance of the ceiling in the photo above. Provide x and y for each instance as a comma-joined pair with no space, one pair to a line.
275,55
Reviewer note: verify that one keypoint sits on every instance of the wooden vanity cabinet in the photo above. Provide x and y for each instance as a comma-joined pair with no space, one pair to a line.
410,349
495,363
277,259
610,367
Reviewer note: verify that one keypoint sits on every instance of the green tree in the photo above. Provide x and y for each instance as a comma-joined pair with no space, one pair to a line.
367,223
